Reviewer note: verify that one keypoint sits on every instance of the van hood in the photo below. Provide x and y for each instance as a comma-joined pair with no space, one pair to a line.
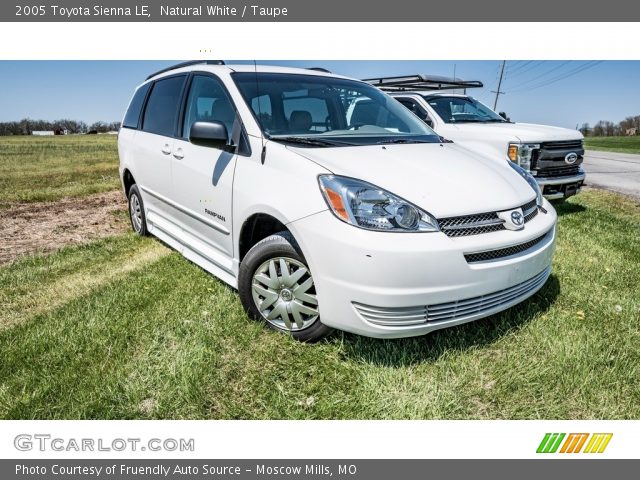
443,179
523,132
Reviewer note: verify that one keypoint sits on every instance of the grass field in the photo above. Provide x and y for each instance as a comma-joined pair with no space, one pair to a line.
614,144
124,328
36,169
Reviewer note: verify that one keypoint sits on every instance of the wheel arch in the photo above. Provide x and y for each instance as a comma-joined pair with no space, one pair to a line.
127,181
257,227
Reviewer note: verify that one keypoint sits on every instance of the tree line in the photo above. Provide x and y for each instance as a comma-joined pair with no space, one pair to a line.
606,128
26,126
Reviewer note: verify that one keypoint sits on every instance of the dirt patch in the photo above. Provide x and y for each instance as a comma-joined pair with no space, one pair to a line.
28,228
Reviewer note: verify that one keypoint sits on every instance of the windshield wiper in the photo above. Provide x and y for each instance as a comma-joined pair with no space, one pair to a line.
477,120
401,140
316,142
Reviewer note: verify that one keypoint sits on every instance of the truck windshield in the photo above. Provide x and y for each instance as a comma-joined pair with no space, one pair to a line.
463,110
315,110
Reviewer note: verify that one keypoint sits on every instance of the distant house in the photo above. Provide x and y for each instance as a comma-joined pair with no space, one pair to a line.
47,133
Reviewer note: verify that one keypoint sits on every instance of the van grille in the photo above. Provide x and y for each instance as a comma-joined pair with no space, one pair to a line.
457,310
481,222
503,252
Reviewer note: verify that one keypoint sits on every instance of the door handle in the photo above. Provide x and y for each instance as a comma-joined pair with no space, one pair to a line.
166,149
178,154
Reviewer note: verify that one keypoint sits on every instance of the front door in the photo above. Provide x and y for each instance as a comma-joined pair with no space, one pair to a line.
203,176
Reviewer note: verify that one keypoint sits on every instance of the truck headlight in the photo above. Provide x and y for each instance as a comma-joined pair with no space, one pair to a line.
521,153
530,180
367,206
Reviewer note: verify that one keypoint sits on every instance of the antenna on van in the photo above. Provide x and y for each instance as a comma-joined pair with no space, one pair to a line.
263,155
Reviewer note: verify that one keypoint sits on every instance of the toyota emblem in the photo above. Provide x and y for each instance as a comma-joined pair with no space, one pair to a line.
517,218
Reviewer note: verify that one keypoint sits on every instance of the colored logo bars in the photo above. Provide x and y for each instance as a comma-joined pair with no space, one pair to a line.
574,443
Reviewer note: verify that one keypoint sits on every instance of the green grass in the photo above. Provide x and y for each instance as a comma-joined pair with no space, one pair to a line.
153,336
36,169
614,144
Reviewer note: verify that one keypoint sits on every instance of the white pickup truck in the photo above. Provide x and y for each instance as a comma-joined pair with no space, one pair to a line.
553,155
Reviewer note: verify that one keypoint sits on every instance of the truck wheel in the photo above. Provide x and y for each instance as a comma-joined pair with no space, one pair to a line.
136,212
276,286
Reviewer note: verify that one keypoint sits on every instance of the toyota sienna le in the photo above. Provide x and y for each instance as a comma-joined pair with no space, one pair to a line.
325,211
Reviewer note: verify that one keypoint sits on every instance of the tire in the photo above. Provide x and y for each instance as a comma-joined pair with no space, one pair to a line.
276,287
137,216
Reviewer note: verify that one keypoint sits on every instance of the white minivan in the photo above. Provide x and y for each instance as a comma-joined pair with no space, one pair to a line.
370,225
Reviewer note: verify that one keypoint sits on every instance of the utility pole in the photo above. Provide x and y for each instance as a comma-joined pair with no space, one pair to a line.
498,92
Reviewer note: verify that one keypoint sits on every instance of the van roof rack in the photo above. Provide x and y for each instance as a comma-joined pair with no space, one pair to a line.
421,83
186,64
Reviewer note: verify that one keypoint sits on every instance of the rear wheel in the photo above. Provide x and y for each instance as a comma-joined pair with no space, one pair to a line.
136,211
276,286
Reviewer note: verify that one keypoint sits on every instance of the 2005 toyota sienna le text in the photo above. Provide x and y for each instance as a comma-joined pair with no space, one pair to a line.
325,216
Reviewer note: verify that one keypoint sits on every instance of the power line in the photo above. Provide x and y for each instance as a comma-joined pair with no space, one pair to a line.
541,76
529,68
558,78
516,68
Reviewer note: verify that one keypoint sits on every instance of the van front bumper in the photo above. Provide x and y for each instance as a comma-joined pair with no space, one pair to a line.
390,285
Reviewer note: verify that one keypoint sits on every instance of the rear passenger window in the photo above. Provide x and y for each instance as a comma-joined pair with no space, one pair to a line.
162,108
132,117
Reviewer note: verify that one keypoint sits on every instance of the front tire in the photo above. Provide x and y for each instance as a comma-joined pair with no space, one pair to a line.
276,286
136,212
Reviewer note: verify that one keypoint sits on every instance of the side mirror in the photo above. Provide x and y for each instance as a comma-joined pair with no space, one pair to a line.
429,122
210,134
504,115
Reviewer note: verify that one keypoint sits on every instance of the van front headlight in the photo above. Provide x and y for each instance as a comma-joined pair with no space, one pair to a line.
366,206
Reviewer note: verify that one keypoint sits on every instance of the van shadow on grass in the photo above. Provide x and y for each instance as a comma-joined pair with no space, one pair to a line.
429,348
566,208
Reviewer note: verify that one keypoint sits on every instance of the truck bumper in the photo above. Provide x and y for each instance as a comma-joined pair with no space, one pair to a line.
561,187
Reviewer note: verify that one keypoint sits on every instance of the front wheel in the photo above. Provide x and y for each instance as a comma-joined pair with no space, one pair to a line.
276,286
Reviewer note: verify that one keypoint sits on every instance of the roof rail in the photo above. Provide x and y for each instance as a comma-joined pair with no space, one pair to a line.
319,69
186,64
421,83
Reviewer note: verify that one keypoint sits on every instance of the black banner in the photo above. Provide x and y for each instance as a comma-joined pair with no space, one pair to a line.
322,11
584,469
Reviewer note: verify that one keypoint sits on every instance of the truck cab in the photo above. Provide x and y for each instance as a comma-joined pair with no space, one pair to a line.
552,155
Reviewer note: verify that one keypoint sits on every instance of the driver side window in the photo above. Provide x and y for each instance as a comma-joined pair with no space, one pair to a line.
208,102
415,108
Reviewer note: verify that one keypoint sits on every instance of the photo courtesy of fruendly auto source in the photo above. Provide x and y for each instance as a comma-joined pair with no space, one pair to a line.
242,245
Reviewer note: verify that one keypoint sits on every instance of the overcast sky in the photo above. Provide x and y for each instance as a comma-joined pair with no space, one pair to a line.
562,93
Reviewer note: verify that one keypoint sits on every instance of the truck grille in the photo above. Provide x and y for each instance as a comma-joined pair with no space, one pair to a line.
559,171
456,310
481,222
548,160
562,144
503,252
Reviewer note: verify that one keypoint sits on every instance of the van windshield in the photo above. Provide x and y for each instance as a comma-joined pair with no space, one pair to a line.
462,110
327,111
